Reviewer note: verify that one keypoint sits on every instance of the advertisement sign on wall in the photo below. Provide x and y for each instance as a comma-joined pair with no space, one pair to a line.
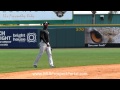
102,36
35,15
15,38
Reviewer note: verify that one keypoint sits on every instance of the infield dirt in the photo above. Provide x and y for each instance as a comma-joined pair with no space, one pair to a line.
80,72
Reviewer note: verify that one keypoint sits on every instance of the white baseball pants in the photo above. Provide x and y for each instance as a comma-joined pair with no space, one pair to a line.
43,47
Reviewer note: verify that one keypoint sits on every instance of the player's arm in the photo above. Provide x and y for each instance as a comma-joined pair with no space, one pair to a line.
42,36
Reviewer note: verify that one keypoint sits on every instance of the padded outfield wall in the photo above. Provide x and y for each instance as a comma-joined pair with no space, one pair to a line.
61,36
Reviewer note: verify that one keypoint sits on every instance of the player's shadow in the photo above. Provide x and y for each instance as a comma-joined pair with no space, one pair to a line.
25,67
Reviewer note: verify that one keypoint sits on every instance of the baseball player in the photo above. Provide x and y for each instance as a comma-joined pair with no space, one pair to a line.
44,46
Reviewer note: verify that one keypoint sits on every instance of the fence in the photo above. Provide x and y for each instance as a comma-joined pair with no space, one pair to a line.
61,36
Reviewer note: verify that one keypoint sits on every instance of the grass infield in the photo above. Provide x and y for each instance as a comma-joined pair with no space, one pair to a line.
12,60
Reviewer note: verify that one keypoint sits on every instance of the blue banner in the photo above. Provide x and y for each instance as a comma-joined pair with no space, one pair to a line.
18,38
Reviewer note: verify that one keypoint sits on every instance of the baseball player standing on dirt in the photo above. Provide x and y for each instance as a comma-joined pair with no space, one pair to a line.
44,46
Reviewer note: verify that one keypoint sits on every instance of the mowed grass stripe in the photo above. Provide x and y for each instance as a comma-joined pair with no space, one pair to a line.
12,60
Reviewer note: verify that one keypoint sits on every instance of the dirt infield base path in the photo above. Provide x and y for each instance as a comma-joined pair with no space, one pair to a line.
81,72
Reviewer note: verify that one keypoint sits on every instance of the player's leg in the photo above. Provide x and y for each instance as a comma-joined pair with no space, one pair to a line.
42,49
50,59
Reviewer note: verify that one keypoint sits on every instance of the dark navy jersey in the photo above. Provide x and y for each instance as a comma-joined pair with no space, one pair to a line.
44,35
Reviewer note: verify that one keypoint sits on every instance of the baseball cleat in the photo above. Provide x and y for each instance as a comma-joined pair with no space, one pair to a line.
52,66
35,66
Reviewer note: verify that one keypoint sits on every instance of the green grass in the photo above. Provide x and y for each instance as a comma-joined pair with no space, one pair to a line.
12,60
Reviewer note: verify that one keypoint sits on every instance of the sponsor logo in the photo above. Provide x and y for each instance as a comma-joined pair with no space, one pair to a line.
31,37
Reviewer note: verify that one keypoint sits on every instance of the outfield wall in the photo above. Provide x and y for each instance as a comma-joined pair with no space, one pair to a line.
61,36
